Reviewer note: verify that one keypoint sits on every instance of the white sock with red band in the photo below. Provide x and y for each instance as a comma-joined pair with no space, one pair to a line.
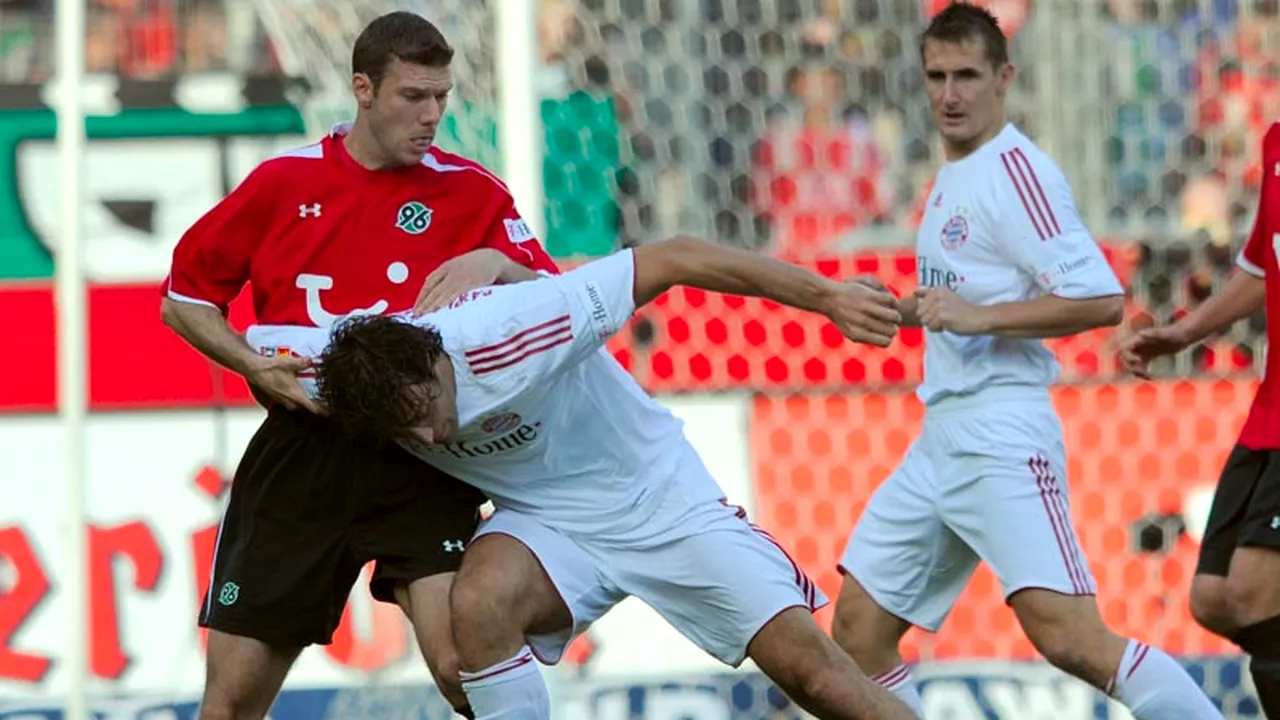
899,682
510,690
1155,687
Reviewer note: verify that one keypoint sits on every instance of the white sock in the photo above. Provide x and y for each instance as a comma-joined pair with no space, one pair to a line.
899,682
511,690
1155,687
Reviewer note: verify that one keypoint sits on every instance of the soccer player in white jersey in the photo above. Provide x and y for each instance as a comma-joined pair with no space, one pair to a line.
1004,261
598,493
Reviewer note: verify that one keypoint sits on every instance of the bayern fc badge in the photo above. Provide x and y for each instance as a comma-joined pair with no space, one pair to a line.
954,232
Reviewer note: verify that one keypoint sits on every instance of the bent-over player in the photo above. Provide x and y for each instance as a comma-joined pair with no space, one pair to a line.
1236,589
1004,261
599,495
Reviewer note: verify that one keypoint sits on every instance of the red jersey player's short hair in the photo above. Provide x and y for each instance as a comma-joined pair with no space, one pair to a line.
401,35
377,378
960,22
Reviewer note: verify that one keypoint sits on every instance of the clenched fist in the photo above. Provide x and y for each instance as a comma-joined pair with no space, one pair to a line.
942,310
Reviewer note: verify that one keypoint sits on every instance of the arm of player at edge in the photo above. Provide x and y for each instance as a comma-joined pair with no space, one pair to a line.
1244,294
1241,296
863,312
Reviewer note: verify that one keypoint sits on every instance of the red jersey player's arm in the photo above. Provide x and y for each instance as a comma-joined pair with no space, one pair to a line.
210,267
1243,294
1035,225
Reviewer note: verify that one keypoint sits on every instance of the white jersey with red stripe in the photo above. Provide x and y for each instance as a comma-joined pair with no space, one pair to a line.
549,423
1001,226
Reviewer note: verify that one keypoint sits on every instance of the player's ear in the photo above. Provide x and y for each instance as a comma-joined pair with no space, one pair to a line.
363,90
1006,74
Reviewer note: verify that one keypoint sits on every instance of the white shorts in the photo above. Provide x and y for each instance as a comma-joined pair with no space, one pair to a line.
704,568
984,481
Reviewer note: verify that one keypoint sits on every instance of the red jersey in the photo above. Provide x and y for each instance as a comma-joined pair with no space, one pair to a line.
318,236
1262,429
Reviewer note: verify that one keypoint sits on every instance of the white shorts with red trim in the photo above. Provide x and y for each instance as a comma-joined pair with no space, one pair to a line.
984,481
709,572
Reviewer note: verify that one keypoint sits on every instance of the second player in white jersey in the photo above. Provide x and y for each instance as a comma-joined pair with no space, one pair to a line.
1001,227
1004,262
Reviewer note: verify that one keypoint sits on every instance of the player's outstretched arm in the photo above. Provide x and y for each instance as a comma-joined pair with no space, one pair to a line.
1242,295
863,313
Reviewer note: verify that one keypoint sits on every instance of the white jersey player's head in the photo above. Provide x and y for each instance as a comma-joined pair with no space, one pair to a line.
382,377
401,82
967,73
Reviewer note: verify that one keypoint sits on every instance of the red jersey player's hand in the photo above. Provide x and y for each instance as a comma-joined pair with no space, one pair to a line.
1140,348
942,310
277,378
461,275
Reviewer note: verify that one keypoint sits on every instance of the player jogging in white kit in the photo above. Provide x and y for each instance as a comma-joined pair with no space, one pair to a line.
1003,261
599,495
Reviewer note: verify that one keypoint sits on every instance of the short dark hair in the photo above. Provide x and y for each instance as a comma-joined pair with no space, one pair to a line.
375,377
960,22
401,35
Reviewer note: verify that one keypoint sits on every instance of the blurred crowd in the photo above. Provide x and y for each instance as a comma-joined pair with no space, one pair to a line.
141,39
801,126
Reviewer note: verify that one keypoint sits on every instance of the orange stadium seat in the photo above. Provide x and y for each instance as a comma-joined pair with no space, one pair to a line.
1133,449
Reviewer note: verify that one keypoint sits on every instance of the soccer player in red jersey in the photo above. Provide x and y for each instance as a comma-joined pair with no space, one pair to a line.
1236,590
356,223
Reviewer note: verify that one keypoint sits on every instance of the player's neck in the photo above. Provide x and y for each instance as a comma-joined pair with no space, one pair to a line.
364,149
954,152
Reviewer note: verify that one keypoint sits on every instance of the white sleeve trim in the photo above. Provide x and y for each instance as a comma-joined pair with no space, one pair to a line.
1249,267
187,299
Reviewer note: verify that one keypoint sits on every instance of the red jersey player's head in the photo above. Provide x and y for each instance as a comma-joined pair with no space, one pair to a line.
381,377
967,73
401,82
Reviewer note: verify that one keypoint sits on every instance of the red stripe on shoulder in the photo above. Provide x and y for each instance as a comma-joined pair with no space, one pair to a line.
521,346
1034,199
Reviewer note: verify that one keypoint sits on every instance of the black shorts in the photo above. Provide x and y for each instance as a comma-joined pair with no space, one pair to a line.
1246,509
309,507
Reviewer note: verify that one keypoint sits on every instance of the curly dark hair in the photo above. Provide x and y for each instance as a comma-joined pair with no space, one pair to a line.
377,376
962,21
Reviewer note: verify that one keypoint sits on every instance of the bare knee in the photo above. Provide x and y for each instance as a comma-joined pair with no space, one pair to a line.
864,630
1253,585
499,595
1210,606
1068,631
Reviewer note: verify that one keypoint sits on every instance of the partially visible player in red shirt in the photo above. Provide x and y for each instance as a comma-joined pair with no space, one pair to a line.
370,219
1236,591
